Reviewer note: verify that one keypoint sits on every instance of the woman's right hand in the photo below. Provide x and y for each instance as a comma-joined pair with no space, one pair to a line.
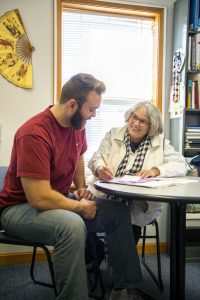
104,173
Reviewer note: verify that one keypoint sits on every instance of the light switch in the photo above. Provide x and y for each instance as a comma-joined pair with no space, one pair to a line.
0,132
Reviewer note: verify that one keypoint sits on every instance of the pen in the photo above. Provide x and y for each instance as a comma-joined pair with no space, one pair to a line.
105,161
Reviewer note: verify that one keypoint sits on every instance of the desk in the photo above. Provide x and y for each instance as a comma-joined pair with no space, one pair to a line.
177,197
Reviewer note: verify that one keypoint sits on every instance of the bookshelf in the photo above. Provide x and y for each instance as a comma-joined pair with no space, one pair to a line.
181,129
187,37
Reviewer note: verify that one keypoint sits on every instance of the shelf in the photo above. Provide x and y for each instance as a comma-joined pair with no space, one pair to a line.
193,71
192,110
192,149
186,39
193,31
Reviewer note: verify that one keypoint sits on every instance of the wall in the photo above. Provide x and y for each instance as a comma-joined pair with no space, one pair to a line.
17,105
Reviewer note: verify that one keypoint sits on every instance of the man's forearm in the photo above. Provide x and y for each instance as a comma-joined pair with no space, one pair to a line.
55,200
79,176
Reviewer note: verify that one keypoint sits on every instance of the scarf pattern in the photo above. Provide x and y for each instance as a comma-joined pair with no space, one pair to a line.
138,162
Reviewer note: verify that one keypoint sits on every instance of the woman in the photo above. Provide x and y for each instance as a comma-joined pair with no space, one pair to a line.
139,148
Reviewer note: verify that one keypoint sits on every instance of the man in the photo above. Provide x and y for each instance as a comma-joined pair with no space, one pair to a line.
47,156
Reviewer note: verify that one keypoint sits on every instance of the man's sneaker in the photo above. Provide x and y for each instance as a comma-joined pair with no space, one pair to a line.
118,294
133,295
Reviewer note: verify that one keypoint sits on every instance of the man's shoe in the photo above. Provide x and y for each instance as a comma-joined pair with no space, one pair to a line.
118,294
133,295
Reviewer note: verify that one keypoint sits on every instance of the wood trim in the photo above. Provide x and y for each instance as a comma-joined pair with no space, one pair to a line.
59,47
21,257
25,257
151,248
114,8
160,58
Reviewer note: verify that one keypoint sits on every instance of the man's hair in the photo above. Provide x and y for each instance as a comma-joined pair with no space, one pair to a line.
154,116
79,86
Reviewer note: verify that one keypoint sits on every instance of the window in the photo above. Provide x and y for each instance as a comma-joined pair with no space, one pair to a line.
118,45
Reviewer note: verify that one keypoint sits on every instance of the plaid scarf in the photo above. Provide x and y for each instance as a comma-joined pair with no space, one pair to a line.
138,162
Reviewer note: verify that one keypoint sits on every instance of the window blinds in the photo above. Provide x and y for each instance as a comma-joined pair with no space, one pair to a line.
120,51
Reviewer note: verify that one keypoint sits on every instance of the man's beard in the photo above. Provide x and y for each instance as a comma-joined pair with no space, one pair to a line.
78,121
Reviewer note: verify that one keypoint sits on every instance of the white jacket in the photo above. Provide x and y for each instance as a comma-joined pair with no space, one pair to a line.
160,154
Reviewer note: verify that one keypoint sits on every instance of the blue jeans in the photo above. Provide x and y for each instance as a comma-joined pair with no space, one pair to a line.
66,232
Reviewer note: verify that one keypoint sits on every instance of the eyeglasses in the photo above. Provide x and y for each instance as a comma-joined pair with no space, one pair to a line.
135,118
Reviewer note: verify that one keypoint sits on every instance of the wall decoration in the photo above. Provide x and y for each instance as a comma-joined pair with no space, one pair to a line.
177,93
15,50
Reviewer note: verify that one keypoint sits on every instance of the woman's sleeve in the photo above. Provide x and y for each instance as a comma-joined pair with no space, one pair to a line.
174,164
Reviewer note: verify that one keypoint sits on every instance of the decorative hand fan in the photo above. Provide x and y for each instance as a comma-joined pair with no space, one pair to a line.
15,50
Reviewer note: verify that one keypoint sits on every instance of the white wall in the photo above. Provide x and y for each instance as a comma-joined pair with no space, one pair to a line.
17,104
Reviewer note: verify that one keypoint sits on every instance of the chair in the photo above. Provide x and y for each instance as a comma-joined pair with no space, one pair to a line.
144,236
93,271
94,274
7,239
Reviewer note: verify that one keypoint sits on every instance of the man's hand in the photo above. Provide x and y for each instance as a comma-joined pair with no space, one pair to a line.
83,193
87,208
104,173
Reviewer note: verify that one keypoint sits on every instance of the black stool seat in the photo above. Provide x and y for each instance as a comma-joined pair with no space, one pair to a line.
7,239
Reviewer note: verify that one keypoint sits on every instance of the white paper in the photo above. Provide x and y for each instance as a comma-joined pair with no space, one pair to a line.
151,182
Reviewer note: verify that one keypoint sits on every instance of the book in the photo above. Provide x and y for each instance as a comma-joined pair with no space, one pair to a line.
192,129
189,53
194,15
193,95
189,94
191,134
198,51
196,94
194,143
194,138
193,53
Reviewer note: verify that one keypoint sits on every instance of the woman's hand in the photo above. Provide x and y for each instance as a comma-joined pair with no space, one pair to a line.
153,172
83,193
104,173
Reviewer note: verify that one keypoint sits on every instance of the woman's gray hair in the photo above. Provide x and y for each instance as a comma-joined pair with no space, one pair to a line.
154,116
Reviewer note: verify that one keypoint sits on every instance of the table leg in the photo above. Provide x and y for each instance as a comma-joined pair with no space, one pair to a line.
177,251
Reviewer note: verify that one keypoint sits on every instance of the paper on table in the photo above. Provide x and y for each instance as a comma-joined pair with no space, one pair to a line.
152,182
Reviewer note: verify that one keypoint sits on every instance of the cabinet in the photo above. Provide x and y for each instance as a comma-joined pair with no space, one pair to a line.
185,130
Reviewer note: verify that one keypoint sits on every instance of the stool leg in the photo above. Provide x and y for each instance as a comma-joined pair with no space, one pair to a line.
50,264
158,280
158,256
143,242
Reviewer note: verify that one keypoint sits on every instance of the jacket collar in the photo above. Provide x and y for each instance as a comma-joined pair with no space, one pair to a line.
155,140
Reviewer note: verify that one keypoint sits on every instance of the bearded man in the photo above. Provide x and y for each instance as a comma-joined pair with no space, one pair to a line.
47,156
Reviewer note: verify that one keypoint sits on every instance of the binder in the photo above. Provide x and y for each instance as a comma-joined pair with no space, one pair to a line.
194,15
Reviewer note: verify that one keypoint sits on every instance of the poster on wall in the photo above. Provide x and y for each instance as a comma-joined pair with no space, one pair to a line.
15,50
177,91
